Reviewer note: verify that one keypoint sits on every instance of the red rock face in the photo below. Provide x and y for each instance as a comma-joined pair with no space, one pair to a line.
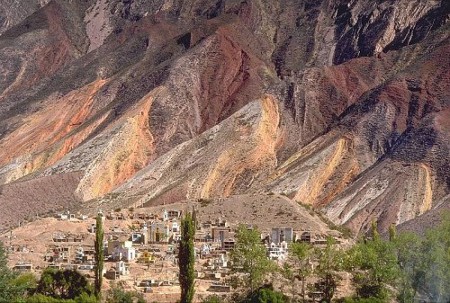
344,107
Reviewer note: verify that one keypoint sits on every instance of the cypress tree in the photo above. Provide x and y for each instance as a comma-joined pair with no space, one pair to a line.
99,259
186,259
249,257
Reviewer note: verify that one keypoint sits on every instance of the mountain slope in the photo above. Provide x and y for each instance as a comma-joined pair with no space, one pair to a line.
341,105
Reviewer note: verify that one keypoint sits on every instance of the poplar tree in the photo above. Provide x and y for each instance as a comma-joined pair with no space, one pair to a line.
249,257
330,260
375,233
99,259
392,232
301,253
186,259
375,265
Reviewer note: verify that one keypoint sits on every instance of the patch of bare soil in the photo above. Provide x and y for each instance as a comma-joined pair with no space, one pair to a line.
21,201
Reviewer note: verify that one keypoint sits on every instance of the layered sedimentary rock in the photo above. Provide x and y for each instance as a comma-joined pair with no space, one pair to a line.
343,105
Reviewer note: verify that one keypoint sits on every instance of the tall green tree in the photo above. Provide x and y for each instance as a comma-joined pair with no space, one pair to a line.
289,272
8,289
424,263
6,276
330,259
300,254
411,261
375,233
186,259
99,257
437,251
375,265
249,257
392,232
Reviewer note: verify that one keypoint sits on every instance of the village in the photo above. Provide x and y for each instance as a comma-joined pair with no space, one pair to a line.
140,248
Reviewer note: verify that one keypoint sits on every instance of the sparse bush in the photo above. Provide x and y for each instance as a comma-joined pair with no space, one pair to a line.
118,295
204,202
280,213
266,295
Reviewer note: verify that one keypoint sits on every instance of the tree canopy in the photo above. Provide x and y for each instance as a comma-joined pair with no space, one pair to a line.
329,260
116,294
250,258
12,285
376,266
63,284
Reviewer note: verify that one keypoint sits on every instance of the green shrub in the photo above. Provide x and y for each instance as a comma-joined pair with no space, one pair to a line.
204,202
40,298
86,298
266,295
118,295
63,284
213,299
361,300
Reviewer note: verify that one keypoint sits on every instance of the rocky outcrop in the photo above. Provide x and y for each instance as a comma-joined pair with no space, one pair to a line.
223,160
342,105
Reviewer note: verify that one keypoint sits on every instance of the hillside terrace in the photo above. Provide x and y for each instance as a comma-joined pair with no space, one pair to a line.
140,249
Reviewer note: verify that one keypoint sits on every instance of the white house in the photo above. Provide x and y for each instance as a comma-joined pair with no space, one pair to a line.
121,250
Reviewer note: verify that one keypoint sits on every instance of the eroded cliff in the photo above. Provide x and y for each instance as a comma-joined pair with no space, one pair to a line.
343,105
